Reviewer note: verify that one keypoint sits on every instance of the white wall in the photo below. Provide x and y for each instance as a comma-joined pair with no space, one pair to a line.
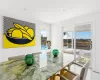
93,19
5,53
57,38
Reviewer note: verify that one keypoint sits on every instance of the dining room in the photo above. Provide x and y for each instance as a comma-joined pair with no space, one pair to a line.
49,40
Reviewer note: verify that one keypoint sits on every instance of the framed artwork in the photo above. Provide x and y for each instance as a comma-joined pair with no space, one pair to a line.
18,33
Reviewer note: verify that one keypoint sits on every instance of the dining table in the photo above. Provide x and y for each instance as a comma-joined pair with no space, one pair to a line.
44,67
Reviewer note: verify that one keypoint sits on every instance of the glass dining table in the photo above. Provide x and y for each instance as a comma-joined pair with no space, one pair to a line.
44,67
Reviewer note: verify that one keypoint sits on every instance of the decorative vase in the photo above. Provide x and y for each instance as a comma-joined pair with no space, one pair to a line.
29,59
55,52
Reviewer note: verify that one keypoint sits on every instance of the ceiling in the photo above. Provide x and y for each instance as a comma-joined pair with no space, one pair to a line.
50,11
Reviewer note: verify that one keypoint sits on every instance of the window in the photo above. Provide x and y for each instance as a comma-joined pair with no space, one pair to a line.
68,39
84,43
83,40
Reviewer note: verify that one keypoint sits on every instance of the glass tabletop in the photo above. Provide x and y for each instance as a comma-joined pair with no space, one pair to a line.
44,67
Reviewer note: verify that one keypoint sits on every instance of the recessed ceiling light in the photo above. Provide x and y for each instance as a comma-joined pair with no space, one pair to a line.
64,9
25,9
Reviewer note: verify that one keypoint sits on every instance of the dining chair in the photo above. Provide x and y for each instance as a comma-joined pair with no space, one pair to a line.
82,58
66,75
83,72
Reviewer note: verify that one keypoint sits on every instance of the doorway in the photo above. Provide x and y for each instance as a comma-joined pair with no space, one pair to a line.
43,39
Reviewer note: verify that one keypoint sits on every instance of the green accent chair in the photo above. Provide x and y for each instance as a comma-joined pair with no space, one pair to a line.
29,59
55,52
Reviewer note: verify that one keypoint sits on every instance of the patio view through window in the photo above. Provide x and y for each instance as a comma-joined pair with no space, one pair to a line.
83,44
68,39
83,40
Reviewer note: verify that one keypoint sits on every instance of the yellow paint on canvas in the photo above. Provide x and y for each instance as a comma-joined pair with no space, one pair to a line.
8,44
